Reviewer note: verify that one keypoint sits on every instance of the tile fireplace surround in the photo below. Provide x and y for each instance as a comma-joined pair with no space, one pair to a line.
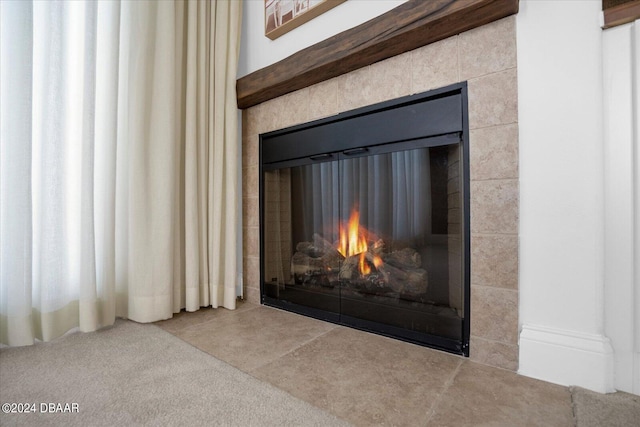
485,57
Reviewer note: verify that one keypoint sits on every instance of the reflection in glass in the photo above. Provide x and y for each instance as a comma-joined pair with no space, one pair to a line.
376,238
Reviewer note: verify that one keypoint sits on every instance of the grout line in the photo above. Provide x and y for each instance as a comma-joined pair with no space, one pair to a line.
333,327
492,73
495,342
498,368
471,129
250,372
497,125
440,396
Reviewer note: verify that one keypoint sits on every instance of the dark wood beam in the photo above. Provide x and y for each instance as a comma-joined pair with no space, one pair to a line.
621,13
409,26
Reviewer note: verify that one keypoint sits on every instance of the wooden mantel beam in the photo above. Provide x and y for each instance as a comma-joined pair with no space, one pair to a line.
409,26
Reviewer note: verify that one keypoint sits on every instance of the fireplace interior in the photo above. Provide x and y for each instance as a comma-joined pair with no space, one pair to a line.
365,219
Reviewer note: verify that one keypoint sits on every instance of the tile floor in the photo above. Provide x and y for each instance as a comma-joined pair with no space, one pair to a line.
368,379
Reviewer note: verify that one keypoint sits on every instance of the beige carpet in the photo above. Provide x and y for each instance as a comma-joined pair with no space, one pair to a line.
133,374
593,409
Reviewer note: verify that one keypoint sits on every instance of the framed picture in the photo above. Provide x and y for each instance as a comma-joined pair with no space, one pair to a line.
282,16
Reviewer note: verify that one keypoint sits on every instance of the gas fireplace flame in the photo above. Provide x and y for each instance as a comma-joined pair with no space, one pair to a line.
353,241
363,266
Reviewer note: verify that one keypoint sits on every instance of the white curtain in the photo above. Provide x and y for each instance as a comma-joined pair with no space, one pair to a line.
118,167
392,193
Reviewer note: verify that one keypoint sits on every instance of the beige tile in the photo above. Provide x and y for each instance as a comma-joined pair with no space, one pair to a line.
183,320
364,378
494,206
494,260
323,99
494,353
284,111
252,338
270,115
294,108
393,76
250,212
250,183
494,314
277,113
494,152
385,80
488,49
493,99
485,396
251,120
251,271
252,294
355,90
251,241
250,150
435,65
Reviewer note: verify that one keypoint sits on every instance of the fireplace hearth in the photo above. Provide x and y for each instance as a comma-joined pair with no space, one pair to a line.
364,219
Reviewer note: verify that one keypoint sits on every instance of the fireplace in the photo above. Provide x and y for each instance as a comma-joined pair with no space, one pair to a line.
364,219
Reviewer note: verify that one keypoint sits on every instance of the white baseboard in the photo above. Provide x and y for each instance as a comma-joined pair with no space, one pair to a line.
567,358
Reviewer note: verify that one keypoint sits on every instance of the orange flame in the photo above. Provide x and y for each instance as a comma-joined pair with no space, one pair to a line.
363,266
377,261
353,241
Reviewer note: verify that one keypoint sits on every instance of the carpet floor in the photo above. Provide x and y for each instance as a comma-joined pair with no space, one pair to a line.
593,409
133,374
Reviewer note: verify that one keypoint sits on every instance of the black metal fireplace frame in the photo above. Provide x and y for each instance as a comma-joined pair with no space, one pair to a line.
431,118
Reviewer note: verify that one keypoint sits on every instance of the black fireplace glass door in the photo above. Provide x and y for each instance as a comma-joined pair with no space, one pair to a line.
372,239
402,270
301,212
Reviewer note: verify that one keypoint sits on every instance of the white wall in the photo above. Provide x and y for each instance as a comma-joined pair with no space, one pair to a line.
621,50
560,102
257,51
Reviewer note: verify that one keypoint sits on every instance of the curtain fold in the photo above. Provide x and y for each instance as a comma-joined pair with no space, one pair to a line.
223,165
16,23
370,185
119,162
